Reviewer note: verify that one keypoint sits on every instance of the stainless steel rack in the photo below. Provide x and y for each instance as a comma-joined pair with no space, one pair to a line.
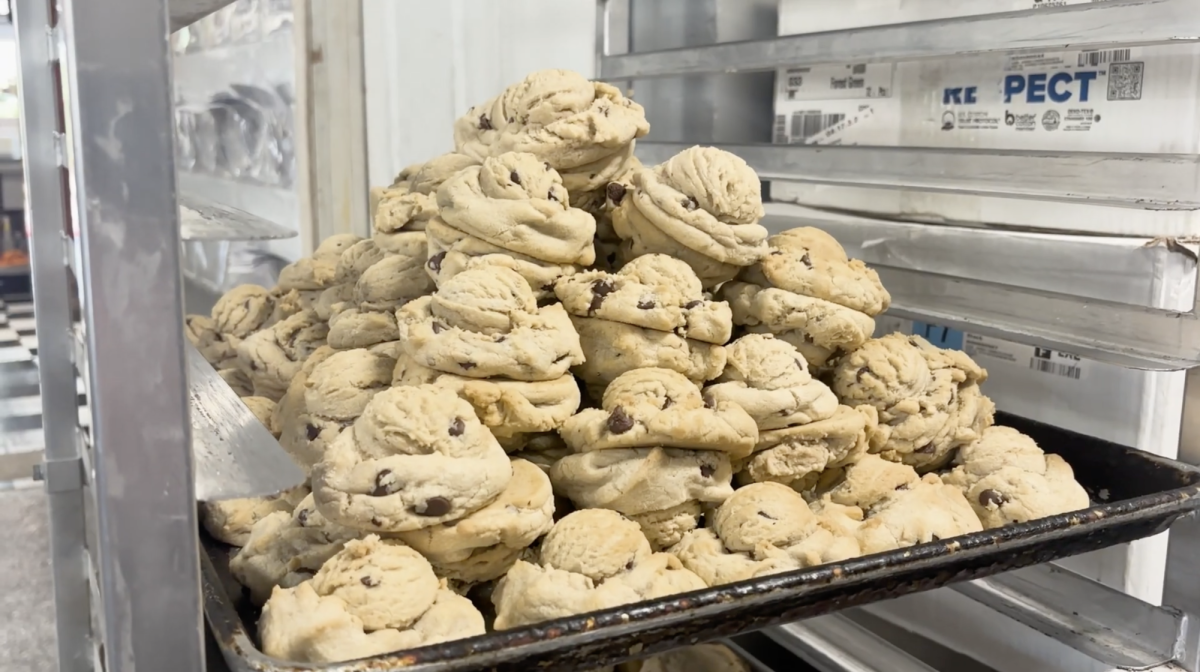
106,226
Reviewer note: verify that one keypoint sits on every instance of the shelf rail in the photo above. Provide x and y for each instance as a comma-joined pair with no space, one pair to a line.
834,643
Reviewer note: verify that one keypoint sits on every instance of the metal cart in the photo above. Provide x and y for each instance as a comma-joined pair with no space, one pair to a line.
104,206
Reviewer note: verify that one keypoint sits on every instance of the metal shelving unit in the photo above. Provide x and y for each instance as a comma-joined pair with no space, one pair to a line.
1124,301
107,228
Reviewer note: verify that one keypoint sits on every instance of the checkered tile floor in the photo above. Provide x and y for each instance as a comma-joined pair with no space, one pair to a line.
20,395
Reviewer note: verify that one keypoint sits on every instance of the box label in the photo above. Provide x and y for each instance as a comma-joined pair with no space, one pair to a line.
991,352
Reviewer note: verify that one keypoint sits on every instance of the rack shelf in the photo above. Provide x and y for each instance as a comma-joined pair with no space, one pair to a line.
1129,22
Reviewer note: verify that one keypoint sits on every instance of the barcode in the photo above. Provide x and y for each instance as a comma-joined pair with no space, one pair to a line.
1054,368
780,135
809,123
1094,58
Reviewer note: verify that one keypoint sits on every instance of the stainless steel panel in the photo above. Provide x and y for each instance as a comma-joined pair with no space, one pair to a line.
1131,22
122,154
1145,181
45,214
235,454
1104,623
187,12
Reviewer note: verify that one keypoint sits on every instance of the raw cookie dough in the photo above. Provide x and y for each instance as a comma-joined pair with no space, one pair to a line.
238,381
354,328
231,521
798,456
270,358
242,311
290,302
902,509
341,386
702,206
416,457
654,292
614,348
285,549
373,597
316,272
485,544
451,252
517,202
810,262
657,407
1007,479
351,265
507,407
642,480
397,278
666,528
828,325
592,559
928,398
585,130
304,444
216,348
766,528
485,323
769,379
695,658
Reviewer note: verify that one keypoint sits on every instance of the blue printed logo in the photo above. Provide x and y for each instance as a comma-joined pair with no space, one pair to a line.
1058,88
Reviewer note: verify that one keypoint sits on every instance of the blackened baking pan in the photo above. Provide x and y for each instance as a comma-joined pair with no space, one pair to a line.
1136,494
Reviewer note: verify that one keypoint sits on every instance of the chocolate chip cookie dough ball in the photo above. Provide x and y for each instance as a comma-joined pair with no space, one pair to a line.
386,285
416,457
902,508
485,544
271,357
485,323
408,208
350,266
584,130
647,408
767,528
240,312
807,292
1007,479
702,206
661,489
216,348
286,549
928,399
373,597
592,559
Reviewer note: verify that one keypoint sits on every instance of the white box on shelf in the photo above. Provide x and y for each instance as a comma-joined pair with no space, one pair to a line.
1125,99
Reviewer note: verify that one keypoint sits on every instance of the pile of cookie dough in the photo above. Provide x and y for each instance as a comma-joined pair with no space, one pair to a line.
554,381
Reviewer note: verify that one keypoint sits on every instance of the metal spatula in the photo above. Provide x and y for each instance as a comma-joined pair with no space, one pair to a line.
235,455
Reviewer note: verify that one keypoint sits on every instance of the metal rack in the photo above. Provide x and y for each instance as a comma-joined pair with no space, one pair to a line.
1124,301
106,233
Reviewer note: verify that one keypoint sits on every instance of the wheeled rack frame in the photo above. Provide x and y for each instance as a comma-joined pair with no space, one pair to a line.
105,224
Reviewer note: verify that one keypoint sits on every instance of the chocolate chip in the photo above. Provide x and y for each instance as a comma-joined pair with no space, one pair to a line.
629,565
708,402
616,192
485,124
646,305
806,260
861,372
691,203
376,522
500,338
605,111
369,581
253,366
707,470
992,498
457,427
619,421
438,327
667,403
600,289
467,366
435,262
776,253
765,515
511,119
692,304
312,432
381,488
435,507
246,305
547,165
550,196
516,179
927,449
302,517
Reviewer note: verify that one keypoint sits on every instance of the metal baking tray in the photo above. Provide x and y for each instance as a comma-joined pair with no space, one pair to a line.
1136,495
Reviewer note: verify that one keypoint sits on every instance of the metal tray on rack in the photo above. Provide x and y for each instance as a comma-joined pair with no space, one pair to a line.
1136,494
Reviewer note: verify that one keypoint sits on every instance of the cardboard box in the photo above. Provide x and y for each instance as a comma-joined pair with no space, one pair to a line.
1125,99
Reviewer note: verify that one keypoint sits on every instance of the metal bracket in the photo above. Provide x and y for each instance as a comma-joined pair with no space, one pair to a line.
60,475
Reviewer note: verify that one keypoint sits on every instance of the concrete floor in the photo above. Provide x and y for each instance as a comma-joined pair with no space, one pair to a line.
26,590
